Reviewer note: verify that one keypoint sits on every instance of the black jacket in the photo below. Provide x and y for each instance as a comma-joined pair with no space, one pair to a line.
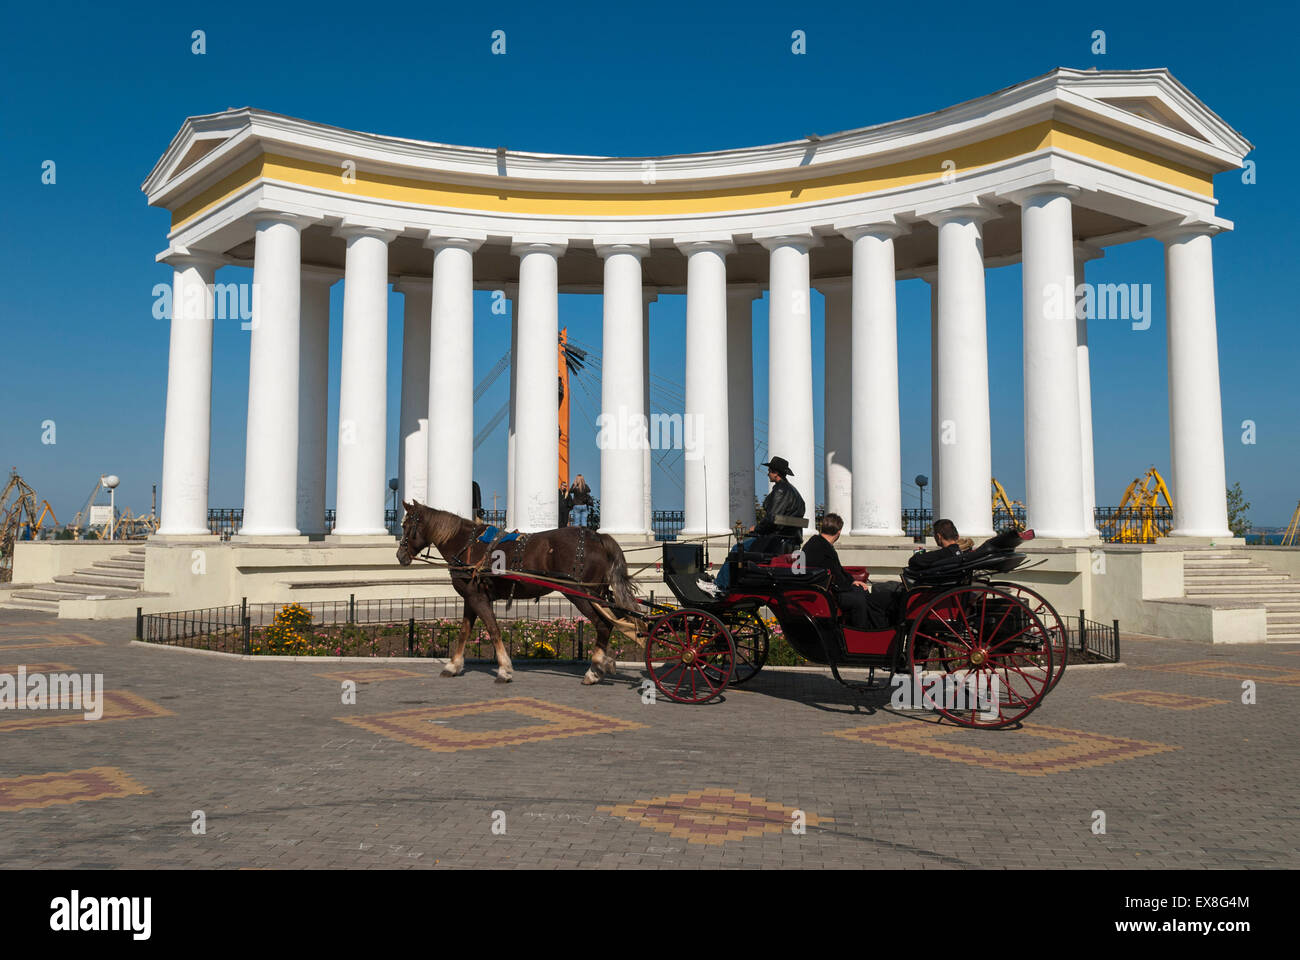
933,558
785,500
820,552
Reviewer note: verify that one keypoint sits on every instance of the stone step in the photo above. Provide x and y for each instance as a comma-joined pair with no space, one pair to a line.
100,579
1280,592
18,602
1219,561
132,563
113,568
1233,579
63,589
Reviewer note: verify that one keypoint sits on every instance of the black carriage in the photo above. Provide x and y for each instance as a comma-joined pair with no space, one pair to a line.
980,652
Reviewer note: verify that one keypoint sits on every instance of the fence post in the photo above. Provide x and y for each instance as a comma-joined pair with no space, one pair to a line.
1083,633
139,623
352,608
243,609
410,637
1115,630
248,637
579,640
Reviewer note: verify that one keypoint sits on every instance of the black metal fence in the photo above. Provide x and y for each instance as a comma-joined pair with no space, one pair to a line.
1133,525
1091,636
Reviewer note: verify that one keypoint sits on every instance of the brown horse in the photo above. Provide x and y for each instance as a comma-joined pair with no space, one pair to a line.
594,559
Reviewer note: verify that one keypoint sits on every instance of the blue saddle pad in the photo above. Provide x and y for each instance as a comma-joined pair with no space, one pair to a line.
491,533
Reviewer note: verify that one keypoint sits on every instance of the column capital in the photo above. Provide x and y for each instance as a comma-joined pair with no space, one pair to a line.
972,211
887,228
638,247
299,220
521,246
461,240
1187,227
722,245
1050,188
349,229
805,240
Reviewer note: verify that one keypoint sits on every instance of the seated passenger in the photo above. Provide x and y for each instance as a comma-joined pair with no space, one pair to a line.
945,535
851,594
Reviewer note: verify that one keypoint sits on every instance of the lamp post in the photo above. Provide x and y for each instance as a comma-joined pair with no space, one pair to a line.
111,482
392,486
921,481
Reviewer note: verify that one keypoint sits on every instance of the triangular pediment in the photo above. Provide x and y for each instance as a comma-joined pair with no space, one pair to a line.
1155,110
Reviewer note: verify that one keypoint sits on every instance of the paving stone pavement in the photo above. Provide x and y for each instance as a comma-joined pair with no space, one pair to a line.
262,749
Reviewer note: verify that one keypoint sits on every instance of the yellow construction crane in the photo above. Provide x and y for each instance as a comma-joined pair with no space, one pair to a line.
1292,529
1140,524
1000,498
19,519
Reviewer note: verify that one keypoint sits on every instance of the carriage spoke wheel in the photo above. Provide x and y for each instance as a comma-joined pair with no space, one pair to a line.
987,653
750,635
1045,612
690,656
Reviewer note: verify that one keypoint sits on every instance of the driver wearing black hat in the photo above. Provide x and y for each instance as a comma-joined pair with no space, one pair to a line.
782,502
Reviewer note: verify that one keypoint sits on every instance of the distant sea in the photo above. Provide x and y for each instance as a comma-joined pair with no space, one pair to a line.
1266,539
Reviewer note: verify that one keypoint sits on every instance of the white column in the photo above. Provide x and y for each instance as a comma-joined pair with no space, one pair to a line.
838,420
512,515
271,459
313,398
789,371
877,454
622,426
1053,473
187,429
363,385
704,426
647,297
1195,407
413,419
932,279
740,401
537,408
965,457
450,462
1082,254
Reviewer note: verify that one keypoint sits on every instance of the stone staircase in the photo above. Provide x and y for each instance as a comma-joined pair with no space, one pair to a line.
121,575
1226,574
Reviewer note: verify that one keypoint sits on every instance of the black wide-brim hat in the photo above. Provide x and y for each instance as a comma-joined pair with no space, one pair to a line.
780,466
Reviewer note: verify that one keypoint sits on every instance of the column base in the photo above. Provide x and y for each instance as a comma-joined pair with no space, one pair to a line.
1206,539
205,536
286,538
361,539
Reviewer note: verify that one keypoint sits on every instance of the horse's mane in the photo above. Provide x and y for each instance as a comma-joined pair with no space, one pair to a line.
442,525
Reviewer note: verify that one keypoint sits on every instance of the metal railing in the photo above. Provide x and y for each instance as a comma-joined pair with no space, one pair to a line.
1094,637
1132,525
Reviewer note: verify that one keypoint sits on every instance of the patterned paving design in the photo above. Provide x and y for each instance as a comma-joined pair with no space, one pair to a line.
371,675
118,705
12,668
1233,670
72,786
1160,698
712,816
434,728
52,640
1069,749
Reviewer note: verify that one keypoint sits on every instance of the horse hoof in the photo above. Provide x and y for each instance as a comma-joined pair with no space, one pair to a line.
449,673
589,678
504,679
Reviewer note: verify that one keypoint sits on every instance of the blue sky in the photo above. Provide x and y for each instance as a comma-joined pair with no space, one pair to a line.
102,91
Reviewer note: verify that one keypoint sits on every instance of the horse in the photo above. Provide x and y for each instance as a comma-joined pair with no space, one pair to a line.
574,552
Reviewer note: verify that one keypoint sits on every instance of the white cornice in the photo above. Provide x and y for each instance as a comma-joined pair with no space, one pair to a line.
1074,95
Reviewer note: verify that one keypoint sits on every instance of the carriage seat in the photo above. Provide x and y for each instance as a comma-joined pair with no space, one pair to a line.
995,555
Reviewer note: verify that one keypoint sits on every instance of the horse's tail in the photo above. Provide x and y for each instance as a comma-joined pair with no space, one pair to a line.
619,582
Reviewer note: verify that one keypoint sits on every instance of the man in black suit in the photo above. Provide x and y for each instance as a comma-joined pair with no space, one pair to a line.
945,535
851,594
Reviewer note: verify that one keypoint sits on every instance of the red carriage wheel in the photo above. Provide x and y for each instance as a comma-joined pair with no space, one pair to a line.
1037,603
690,656
988,654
